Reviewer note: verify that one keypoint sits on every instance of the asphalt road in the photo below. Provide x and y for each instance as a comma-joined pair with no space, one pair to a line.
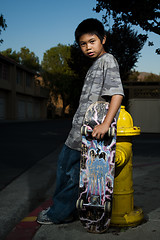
22,144
146,145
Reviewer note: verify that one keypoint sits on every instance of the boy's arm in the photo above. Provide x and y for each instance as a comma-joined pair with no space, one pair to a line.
100,130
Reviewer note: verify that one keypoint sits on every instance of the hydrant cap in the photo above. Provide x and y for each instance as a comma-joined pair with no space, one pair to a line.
125,124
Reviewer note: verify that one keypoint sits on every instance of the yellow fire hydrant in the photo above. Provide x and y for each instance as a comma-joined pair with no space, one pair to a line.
124,213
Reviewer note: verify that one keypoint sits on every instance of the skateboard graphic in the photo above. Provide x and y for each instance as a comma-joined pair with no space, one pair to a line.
97,167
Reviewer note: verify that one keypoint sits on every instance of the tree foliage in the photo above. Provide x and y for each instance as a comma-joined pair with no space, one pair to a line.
3,25
80,65
29,59
142,13
133,76
24,57
125,44
136,76
152,78
78,62
11,54
55,60
57,74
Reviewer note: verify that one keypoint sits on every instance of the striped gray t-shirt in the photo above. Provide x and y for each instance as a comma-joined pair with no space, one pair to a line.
102,80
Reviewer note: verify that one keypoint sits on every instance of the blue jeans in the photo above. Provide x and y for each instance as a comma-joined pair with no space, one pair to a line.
66,193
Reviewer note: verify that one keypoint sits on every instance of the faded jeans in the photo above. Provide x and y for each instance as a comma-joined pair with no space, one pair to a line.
66,193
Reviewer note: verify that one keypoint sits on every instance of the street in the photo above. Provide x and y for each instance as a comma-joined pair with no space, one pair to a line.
147,145
25,143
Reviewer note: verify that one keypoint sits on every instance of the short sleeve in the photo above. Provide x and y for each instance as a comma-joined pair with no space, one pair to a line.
111,78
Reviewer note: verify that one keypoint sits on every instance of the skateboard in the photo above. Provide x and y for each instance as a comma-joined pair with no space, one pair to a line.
97,167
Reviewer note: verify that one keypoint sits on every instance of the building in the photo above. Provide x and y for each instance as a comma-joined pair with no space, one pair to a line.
144,105
20,97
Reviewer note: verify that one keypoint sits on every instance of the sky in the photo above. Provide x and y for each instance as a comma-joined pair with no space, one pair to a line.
42,24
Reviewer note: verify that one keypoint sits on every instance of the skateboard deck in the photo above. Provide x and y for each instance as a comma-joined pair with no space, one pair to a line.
97,167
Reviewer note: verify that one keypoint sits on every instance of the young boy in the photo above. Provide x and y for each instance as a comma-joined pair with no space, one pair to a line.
103,83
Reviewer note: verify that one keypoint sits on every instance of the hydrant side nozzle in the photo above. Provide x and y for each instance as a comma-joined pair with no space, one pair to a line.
122,156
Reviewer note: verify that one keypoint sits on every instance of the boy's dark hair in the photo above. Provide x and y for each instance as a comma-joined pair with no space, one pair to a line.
90,25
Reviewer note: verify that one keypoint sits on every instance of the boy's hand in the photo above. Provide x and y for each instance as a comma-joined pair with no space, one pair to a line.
99,131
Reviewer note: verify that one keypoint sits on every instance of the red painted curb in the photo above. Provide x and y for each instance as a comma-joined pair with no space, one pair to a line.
26,229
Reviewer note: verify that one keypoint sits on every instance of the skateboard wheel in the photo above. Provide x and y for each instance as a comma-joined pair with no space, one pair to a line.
111,132
84,130
107,207
79,204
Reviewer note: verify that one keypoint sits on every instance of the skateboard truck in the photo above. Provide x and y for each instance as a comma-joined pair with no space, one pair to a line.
85,130
94,202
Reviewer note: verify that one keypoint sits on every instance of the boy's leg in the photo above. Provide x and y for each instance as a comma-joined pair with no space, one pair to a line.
66,193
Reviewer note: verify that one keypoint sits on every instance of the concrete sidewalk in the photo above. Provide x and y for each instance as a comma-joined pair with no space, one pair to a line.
146,178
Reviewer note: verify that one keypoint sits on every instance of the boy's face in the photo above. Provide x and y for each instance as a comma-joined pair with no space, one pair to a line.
91,45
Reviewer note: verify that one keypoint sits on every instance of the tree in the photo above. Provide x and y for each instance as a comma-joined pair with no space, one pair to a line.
79,64
11,54
3,25
57,74
125,44
23,57
133,77
144,13
152,78
29,59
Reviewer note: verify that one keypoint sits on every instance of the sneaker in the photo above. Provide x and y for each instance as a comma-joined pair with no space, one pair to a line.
42,218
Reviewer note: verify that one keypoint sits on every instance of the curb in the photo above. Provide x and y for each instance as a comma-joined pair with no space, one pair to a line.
27,228
25,193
